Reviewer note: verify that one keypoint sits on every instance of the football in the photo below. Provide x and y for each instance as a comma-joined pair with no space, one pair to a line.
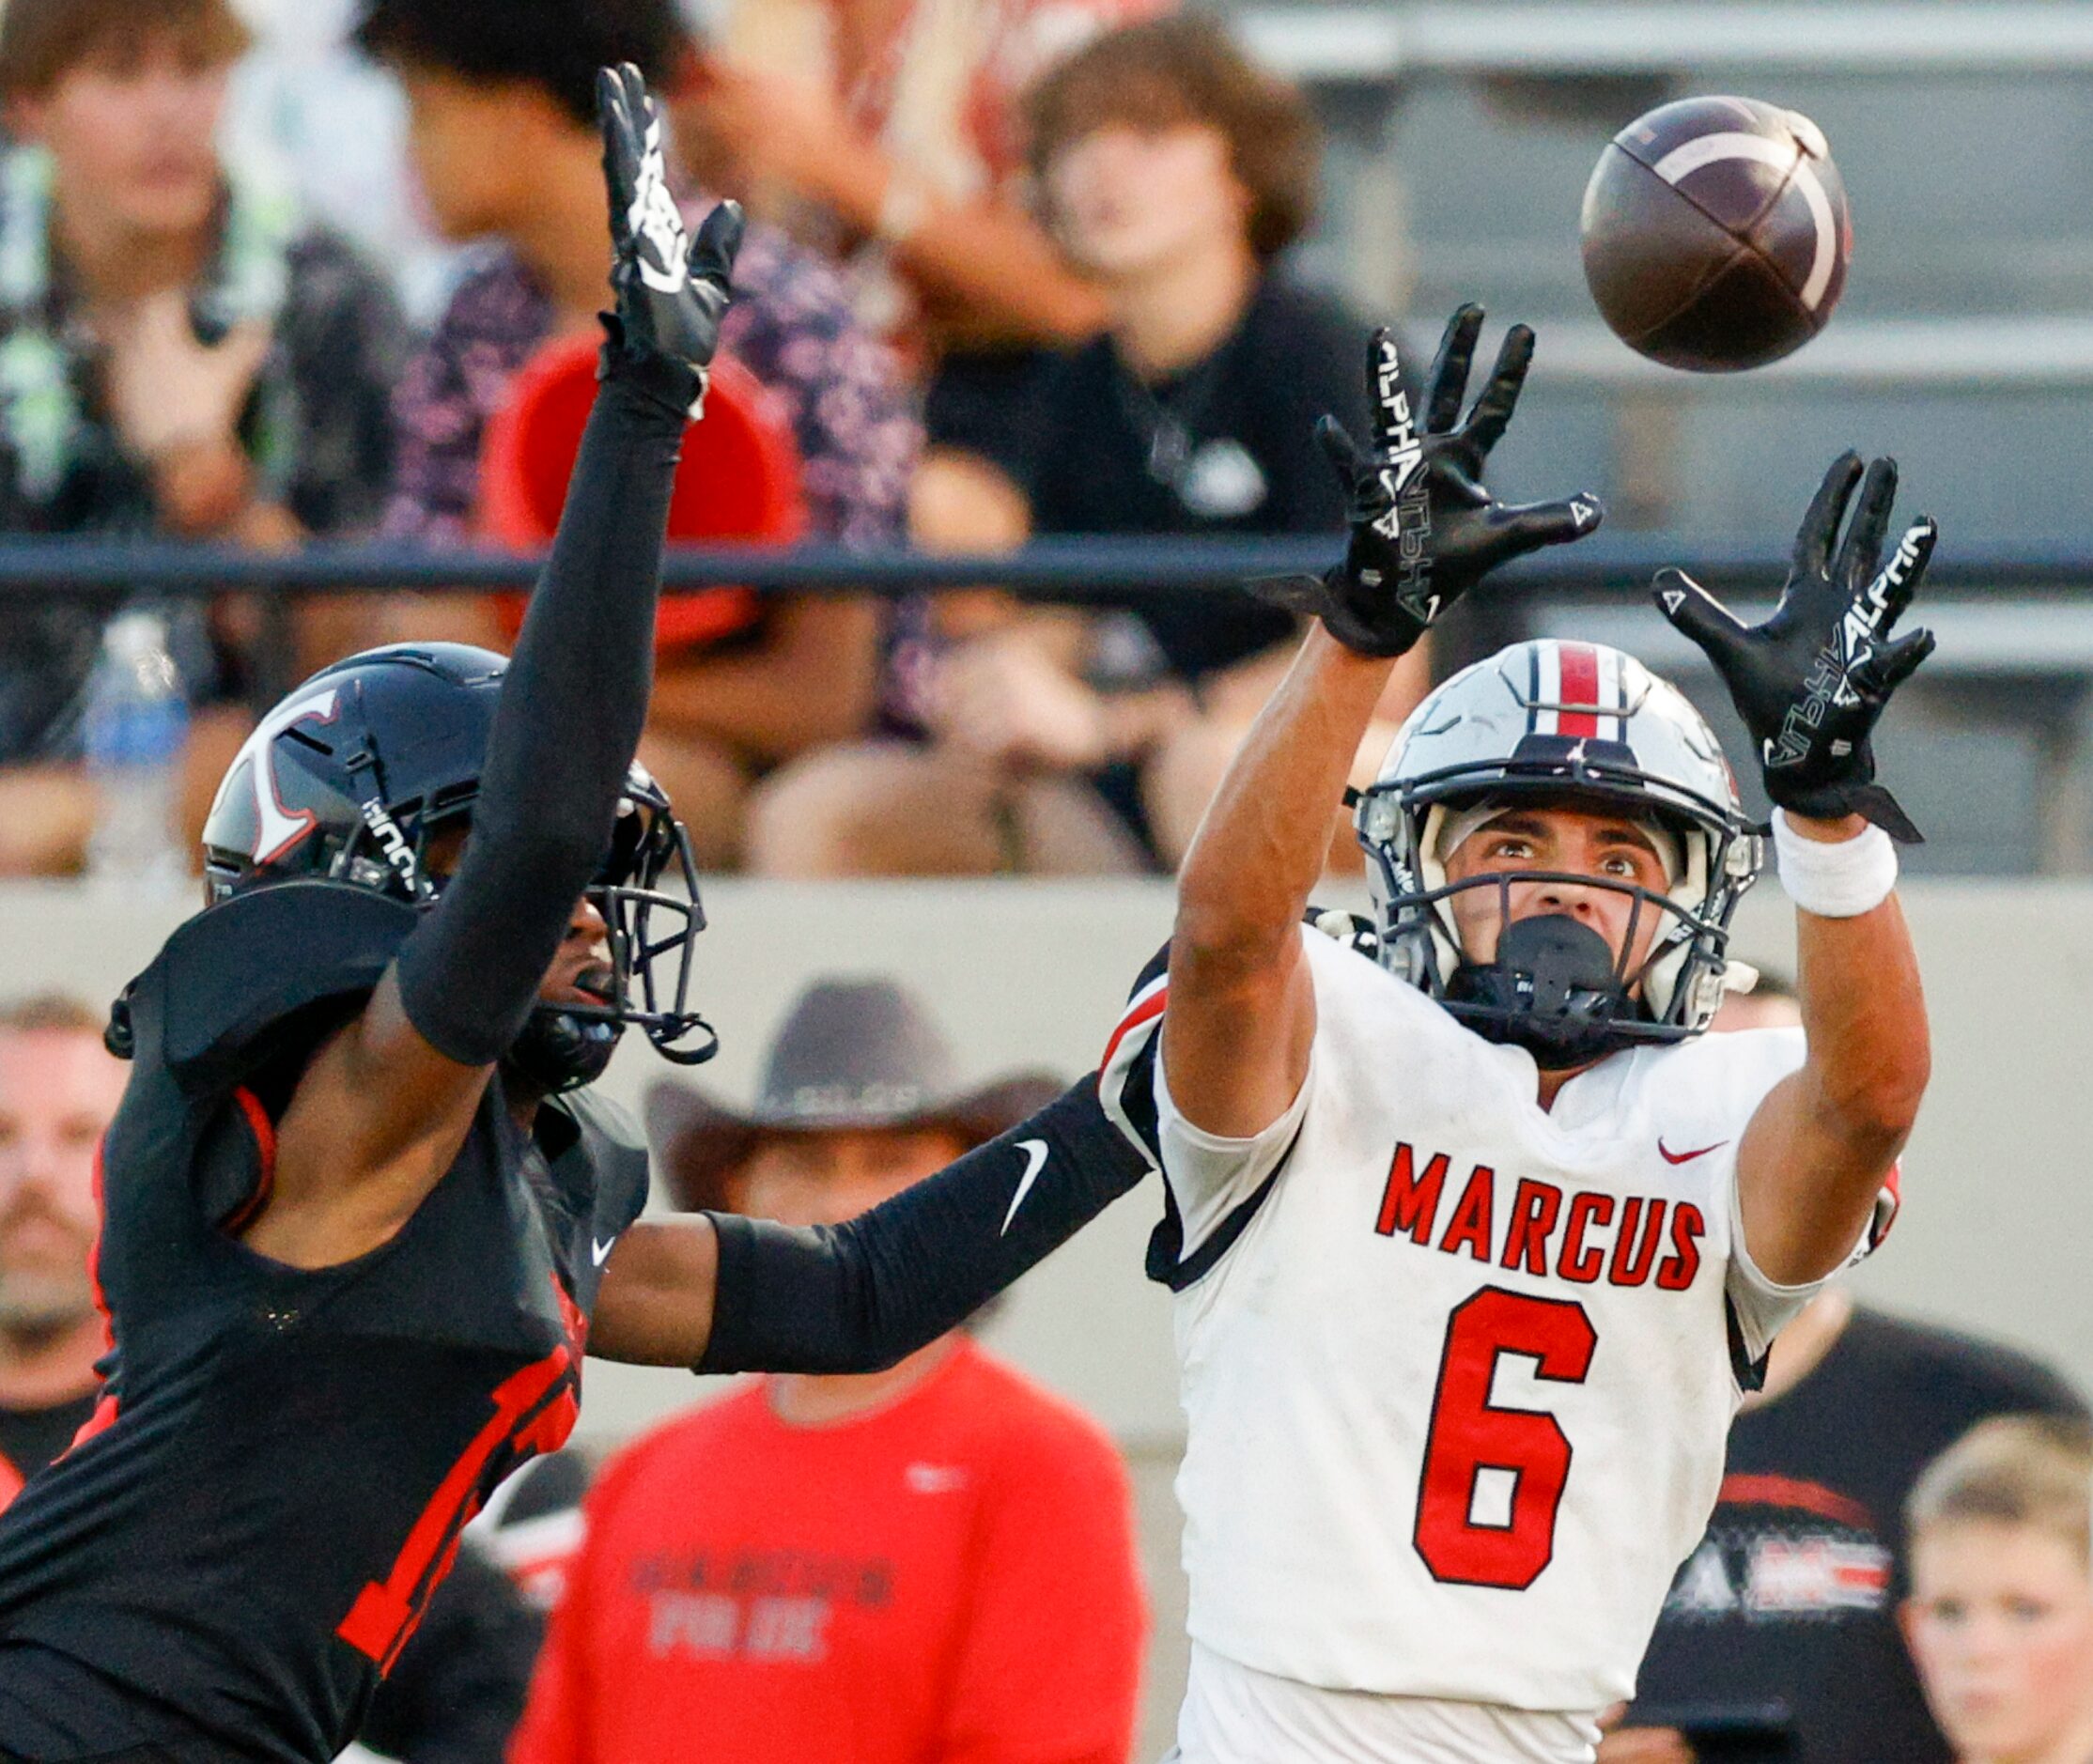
1716,234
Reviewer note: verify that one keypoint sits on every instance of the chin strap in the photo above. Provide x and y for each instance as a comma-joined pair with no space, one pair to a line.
1552,990
558,1051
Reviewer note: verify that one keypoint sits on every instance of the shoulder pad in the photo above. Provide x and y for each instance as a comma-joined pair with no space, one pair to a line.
615,1151
236,971
601,1120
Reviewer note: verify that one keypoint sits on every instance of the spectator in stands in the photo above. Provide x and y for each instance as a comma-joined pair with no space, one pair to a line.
931,1562
459,1686
2000,1617
1175,173
1783,1621
180,354
502,102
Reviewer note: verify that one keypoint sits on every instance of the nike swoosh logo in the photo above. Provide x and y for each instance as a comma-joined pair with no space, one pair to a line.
600,1251
1035,1161
1670,1156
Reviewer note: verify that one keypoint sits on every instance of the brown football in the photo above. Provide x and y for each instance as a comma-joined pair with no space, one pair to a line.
1716,234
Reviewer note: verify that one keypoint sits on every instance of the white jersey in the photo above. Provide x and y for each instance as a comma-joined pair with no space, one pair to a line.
1458,1372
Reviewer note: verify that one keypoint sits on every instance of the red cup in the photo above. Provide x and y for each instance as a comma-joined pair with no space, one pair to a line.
740,479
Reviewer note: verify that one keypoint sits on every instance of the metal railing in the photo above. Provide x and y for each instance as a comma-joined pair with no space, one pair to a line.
1072,568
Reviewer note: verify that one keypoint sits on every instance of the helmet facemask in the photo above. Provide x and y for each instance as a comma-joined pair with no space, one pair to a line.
651,934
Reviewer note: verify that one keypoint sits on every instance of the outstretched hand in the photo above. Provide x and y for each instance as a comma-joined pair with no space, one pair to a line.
1811,682
1424,530
671,291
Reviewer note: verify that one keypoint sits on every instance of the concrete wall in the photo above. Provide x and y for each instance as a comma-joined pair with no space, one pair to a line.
1999,1207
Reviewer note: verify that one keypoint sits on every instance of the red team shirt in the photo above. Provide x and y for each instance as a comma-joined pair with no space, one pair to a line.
948,1579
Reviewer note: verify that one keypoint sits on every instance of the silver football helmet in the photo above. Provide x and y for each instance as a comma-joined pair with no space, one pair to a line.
1550,721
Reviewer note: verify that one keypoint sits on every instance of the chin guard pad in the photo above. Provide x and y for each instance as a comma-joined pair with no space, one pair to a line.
1553,990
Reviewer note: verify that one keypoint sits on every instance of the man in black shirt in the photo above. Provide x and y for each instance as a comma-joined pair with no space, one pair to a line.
1174,172
1779,1640
359,1214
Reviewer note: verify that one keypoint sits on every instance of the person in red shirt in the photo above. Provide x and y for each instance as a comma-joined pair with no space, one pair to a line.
936,1562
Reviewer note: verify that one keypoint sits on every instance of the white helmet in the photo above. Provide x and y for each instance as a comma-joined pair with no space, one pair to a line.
1551,719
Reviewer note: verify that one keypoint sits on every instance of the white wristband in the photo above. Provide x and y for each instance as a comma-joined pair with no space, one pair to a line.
1834,880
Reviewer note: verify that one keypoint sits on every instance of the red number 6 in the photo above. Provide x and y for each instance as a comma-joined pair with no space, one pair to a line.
1470,1435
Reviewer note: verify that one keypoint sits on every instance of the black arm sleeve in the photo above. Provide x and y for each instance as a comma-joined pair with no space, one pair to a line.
564,732
856,1297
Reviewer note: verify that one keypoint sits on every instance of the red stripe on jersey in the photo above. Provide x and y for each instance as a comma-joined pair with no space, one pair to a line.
100,1422
1807,1497
264,1130
12,1480
386,1612
1580,663
1146,1011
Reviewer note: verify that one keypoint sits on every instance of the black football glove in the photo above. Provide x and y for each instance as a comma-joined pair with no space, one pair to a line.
672,292
1424,530
1811,681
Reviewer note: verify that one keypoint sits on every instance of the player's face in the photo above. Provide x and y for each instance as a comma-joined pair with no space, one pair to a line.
131,130
470,143
1128,201
58,1092
580,972
2000,1623
825,1178
1579,841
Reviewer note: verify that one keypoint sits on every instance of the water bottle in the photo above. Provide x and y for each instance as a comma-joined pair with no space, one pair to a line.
135,724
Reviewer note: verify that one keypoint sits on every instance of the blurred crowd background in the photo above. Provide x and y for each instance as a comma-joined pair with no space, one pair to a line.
1022,269
316,280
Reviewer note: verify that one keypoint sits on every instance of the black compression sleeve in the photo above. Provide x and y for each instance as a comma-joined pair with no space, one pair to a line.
856,1297
564,732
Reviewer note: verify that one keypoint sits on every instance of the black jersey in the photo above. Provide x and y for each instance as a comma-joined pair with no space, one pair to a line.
282,1460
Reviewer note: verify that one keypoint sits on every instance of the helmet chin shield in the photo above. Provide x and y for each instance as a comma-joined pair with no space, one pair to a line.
1554,989
1559,724
1554,985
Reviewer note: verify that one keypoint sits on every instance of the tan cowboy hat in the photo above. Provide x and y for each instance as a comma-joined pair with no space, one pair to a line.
851,1054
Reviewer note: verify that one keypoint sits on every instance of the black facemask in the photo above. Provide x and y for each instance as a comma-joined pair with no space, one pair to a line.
1554,990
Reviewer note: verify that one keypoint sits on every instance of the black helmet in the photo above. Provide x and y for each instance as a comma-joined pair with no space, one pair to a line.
351,773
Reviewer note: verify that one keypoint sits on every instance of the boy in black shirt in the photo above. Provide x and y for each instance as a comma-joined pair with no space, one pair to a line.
1174,172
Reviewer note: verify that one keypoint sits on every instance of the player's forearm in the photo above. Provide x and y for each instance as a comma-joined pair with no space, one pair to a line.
1263,844
1817,1152
567,722
1864,1013
860,1296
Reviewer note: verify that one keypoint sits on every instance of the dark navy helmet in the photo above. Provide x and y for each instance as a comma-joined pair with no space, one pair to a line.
354,773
